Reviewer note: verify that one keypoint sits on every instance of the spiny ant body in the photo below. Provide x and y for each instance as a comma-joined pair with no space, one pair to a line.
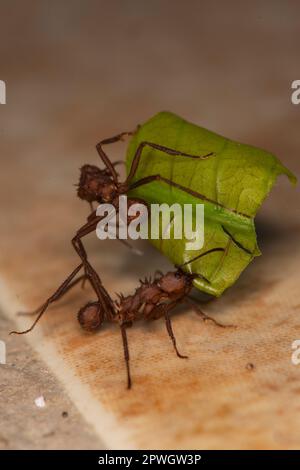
153,299
150,301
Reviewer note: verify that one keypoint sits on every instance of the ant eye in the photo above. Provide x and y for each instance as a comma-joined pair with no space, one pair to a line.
91,316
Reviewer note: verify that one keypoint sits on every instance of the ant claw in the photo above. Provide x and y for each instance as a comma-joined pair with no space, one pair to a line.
181,356
20,332
216,323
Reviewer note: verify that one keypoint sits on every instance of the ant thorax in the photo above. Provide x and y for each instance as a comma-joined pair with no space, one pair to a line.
151,296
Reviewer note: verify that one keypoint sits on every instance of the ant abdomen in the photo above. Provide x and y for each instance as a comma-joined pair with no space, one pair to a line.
91,316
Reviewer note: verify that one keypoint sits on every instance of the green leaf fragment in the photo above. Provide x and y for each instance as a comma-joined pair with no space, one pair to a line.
237,178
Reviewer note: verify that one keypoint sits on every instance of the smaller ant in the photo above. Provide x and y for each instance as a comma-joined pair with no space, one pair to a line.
153,299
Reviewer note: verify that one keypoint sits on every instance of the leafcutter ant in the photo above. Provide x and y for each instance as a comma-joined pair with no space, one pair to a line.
153,299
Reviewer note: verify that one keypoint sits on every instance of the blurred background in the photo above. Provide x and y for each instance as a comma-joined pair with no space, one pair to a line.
80,71
77,72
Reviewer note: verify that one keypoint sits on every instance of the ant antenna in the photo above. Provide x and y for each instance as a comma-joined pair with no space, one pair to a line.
213,250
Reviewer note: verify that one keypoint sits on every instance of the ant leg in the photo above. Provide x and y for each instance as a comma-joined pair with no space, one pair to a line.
109,165
162,148
126,354
70,286
151,178
103,296
91,207
205,317
166,310
63,288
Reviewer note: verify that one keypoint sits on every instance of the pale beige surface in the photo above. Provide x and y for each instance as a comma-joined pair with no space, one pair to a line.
85,78
24,378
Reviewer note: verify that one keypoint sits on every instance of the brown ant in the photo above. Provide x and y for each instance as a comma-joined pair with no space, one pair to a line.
153,299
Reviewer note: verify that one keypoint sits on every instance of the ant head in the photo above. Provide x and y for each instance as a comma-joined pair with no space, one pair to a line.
173,282
92,181
91,316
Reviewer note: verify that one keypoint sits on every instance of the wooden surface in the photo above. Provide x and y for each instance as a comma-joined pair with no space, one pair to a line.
86,77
